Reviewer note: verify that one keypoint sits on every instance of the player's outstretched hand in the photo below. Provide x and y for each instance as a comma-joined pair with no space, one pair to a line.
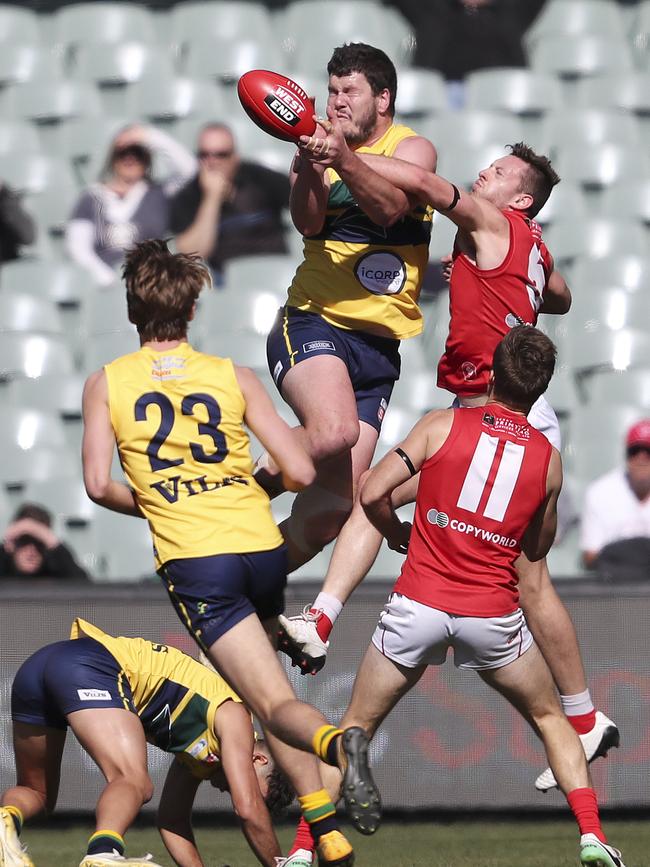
327,146
400,542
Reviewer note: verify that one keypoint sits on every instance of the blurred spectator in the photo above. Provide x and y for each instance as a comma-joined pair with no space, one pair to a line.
16,226
457,37
31,549
615,538
126,206
231,207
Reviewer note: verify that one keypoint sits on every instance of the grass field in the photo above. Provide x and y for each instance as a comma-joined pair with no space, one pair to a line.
422,844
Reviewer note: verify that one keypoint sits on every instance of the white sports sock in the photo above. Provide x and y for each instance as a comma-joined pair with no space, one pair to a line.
576,705
329,605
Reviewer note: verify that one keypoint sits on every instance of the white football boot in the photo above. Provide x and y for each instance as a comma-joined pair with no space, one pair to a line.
12,851
593,853
109,859
300,858
596,742
299,639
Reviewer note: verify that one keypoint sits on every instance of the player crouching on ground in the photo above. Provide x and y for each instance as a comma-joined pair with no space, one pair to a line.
488,490
117,694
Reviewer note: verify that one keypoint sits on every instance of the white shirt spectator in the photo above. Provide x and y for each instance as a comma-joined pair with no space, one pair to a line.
613,512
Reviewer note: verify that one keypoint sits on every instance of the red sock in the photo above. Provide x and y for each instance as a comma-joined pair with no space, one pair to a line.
303,838
323,624
583,722
584,805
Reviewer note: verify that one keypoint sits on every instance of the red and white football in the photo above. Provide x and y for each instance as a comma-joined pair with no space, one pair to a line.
276,104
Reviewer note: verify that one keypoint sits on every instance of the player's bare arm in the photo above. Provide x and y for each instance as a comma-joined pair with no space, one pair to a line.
309,192
540,534
274,433
97,450
235,732
175,815
397,467
557,295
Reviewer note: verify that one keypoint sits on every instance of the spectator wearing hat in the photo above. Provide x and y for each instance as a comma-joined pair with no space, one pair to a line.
126,206
616,517
31,548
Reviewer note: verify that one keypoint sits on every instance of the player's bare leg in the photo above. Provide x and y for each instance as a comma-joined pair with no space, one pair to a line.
247,660
305,638
555,636
115,740
37,751
527,684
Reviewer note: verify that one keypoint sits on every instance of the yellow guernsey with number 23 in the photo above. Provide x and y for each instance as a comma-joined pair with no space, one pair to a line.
360,276
178,421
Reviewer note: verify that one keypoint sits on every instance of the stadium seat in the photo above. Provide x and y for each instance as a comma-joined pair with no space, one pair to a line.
124,547
597,439
57,394
26,428
173,98
575,56
578,17
417,391
255,145
471,128
66,499
421,92
102,22
20,467
24,312
567,238
590,348
397,423
244,348
106,347
599,167
615,386
33,355
82,139
20,62
63,282
628,272
122,63
443,233
18,26
629,90
588,127
52,206
566,198
520,91
18,135
627,201
33,173
238,309
640,33
564,558
104,311
271,273
610,309
5,510
223,19
50,101
463,164
225,59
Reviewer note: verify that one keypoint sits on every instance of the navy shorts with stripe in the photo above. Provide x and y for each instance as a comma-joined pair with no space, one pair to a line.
212,594
373,362
67,676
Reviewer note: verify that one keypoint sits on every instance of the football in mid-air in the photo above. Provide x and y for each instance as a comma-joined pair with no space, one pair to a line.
276,104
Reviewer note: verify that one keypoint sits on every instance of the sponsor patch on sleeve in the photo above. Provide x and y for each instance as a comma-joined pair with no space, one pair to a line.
94,694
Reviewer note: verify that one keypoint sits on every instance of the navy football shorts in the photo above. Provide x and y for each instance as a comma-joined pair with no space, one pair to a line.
212,594
373,363
67,676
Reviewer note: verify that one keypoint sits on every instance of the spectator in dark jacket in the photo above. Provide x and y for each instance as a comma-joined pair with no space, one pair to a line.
16,226
31,549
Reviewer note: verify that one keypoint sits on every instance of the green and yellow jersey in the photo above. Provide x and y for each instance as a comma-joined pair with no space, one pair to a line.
175,697
178,421
361,276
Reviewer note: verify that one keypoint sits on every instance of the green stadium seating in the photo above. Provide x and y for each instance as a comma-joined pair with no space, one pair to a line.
25,428
238,309
420,92
18,135
597,437
568,238
616,271
20,62
104,311
626,201
471,128
463,164
640,34
574,56
566,199
589,127
610,309
52,206
244,348
67,500
520,91
20,467
5,510
564,558
443,232
599,167
271,273
84,139
589,348
224,19
562,392
158,99
629,90
56,394
33,173
225,59
24,312
620,386
578,17
123,545
18,26
49,101
102,22
123,63
106,347
63,282
33,355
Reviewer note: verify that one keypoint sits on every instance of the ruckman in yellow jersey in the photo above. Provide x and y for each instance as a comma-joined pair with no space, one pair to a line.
123,692
178,418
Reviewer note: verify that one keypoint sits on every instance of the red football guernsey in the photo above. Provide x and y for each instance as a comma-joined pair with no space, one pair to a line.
475,499
485,305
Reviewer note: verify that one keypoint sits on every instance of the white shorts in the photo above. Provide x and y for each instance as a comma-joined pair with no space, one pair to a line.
413,634
541,416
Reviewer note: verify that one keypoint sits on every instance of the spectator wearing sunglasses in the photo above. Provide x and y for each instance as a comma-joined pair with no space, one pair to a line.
615,536
231,207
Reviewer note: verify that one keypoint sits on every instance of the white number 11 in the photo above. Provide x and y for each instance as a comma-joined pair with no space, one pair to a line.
504,481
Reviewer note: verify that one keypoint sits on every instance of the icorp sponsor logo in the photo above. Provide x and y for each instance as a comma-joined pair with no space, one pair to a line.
381,273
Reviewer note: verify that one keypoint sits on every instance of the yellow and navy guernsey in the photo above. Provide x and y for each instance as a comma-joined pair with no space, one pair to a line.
360,276
175,696
178,421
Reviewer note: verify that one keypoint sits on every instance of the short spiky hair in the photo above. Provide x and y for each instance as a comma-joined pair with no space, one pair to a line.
539,179
523,365
375,64
280,793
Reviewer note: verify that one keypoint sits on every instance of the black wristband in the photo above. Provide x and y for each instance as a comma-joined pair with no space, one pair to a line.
406,460
454,201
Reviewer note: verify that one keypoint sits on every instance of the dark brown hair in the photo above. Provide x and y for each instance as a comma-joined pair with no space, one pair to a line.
540,177
162,288
35,512
377,67
523,365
